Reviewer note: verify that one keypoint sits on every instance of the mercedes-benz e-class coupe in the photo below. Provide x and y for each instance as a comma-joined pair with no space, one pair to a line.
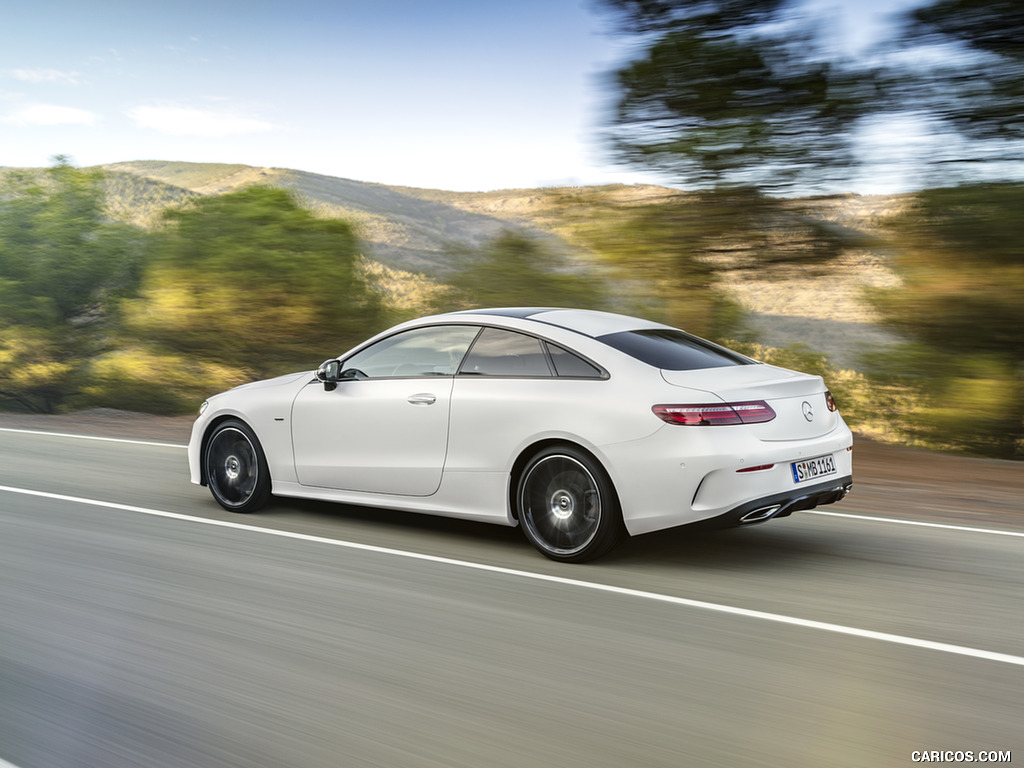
577,426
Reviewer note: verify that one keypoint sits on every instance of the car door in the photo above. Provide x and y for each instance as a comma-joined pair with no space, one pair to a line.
384,427
511,388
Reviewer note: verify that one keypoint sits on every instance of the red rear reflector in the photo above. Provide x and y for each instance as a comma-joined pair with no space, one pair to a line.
758,468
715,414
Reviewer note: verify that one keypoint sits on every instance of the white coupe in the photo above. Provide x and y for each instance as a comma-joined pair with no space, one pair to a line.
575,425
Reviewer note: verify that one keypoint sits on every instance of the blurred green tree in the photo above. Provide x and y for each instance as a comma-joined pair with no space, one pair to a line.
750,92
658,254
63,268
732,93
252,282
958,251
518,270
960,68
737,100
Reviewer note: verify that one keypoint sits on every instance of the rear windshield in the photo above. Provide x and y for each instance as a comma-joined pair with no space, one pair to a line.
673,350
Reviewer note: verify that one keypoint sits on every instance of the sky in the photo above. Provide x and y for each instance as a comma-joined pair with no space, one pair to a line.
465,95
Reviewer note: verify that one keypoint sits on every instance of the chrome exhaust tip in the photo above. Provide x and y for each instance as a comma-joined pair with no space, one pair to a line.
763,513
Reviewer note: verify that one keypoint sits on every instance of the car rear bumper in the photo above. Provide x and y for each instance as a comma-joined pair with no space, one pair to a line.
681,475
784,504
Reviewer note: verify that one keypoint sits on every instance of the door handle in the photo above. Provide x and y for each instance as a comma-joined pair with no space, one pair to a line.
424,398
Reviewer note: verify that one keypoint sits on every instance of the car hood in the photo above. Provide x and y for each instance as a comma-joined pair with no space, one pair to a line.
277,381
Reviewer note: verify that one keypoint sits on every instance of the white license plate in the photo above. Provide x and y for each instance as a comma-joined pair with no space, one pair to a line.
812,469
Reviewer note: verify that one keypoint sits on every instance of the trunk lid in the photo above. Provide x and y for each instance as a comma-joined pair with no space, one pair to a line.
798,399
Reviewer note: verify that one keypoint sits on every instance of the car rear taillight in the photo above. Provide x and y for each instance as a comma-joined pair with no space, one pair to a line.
715,414
830,401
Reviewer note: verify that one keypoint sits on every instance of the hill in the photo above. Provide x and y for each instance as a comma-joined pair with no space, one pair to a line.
413,234
406,229
798,267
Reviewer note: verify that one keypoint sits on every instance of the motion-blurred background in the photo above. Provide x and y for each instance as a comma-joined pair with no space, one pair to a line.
754,129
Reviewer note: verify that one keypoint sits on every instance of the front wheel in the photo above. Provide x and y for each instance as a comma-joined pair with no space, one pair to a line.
567,506
236,469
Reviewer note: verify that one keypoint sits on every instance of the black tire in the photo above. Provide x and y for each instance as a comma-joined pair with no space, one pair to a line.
236,469
567,506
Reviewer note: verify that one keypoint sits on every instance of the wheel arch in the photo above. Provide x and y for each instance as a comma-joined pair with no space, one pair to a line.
210,428
536,447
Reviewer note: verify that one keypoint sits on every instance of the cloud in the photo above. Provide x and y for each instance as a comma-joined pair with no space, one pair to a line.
45,76
49,114
187,121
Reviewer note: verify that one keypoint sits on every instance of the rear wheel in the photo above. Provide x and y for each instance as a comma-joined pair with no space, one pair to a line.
236,469
567,506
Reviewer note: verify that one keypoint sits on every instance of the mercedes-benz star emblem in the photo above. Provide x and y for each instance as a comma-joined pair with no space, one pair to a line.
808,411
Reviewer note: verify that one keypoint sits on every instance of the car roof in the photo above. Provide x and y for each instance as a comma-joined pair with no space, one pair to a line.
588,322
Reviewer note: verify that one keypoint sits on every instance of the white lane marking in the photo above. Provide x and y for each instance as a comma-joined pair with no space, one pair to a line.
945,526
91,437
868,634
809,511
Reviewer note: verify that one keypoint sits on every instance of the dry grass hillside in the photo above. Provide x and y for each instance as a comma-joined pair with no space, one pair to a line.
411,235
825,307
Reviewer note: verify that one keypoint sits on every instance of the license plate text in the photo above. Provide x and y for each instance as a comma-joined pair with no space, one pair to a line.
811,469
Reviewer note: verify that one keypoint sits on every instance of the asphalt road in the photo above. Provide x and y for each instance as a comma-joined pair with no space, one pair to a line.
141,625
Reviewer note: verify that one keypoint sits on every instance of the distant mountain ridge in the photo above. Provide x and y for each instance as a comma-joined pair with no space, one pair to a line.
405,228
415,235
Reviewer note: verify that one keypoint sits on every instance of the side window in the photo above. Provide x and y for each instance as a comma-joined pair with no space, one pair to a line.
506,353
571,365
431,351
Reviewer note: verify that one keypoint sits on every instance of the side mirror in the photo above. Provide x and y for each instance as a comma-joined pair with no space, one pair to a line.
329,373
